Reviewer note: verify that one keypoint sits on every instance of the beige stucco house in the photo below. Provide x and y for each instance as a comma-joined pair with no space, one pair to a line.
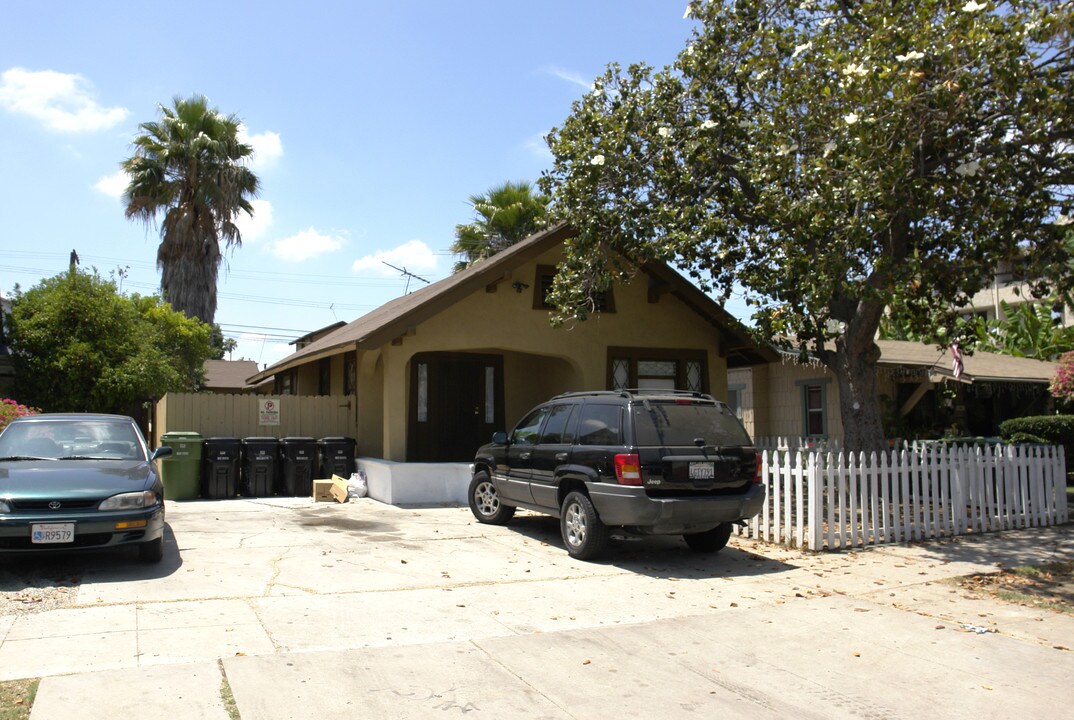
437,371
920,396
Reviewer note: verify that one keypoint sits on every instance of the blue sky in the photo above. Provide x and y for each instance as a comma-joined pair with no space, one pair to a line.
372,124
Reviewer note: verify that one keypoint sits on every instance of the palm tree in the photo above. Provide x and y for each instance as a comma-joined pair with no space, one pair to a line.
505,214
190,166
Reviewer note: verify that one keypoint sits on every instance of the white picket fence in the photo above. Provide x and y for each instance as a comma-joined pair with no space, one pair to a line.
835,500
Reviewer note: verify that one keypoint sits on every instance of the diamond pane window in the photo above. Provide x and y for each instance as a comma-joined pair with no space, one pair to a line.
693,376
620,374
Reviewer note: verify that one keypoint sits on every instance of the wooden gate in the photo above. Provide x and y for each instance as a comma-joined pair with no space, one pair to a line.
240,416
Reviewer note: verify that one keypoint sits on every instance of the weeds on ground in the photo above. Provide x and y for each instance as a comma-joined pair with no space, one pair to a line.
1049,586
17,697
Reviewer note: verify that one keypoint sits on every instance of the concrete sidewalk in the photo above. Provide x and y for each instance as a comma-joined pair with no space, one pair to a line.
303,610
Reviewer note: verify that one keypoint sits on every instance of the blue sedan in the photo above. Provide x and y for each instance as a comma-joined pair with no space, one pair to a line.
79,481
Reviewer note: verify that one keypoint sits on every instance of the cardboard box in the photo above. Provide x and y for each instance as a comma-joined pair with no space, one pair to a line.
322,491
340,490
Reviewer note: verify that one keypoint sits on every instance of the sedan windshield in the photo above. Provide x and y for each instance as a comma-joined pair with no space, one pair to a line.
71,439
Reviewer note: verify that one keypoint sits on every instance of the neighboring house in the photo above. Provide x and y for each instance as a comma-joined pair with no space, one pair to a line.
229,377
1008,287
921,397
437,371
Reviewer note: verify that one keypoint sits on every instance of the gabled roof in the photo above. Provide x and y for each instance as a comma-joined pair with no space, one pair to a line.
228,374
395,318
980,367
311,336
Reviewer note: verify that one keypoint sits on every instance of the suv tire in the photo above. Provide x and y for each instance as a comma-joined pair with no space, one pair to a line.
485,501
709,541
584,534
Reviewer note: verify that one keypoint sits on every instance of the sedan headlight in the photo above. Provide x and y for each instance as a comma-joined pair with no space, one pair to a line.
129,501
4,507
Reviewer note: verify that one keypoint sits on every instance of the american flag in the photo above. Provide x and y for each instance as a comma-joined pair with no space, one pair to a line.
956,361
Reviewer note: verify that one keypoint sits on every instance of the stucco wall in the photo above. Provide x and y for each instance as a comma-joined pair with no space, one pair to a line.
538,360
777,402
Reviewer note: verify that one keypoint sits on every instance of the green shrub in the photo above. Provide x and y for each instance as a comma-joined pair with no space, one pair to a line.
1047,429
1050,429
1022,437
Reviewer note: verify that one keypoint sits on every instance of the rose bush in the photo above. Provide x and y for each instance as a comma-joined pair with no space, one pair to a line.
11,409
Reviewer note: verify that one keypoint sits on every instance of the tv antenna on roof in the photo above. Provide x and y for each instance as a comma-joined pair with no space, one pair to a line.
408,275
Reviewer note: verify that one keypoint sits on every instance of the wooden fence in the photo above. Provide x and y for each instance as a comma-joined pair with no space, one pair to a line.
214,415
835,500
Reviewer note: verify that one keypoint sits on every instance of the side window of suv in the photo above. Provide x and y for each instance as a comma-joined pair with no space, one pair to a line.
557,430
600,425
526,431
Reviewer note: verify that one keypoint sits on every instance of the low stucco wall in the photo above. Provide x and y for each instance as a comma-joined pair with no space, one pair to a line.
417,484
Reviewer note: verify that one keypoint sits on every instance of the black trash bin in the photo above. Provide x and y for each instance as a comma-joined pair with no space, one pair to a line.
259,466
336,456
298,455
220,460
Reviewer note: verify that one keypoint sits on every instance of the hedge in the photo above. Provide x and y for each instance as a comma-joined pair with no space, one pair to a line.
1052,429
1047,429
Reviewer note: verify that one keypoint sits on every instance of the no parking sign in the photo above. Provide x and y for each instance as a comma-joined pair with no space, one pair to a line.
268,411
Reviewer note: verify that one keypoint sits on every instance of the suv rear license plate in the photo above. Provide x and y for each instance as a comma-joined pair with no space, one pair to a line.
702,471
52,533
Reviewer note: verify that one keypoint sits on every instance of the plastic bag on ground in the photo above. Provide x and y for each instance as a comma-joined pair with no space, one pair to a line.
357,486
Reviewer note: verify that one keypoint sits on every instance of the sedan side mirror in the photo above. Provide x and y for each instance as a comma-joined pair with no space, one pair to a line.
499,438
160,452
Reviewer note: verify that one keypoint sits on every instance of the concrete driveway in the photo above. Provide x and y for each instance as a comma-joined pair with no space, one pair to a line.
297,610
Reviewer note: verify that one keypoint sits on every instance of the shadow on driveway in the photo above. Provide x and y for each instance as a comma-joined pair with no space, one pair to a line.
657,556
68,568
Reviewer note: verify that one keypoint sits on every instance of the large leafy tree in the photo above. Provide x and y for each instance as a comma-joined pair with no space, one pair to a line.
835,157
191,167
504,215
79,345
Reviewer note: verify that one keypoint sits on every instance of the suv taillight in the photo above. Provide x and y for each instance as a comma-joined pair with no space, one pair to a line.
628,469
757,479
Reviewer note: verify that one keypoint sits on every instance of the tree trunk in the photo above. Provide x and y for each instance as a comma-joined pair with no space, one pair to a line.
854,364
853,361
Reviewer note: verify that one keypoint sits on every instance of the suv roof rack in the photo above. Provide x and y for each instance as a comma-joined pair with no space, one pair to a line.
629,393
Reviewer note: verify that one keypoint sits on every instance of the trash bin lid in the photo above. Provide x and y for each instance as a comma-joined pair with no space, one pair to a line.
288,440
180,436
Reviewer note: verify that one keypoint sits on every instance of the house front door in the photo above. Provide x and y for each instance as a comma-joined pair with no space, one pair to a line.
456,403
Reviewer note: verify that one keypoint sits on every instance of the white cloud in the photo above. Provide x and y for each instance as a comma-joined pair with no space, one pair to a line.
268,148
569,76
254,228
305,245
113,185
61,101
538,146
414,255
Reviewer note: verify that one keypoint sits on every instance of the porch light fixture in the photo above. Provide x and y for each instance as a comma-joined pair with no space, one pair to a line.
519,286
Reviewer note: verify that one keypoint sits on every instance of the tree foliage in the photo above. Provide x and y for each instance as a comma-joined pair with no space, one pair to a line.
1028,330
838,158
191,166
505,214
79,345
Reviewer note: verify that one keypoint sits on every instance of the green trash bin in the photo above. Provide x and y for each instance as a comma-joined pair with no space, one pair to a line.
181,471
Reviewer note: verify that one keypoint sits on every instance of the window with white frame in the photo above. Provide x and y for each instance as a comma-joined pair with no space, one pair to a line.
814,407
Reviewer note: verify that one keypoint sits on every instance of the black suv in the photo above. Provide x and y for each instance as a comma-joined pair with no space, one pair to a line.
647,462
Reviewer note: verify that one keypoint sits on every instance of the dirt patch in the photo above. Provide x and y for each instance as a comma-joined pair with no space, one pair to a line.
32,585
1049,586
